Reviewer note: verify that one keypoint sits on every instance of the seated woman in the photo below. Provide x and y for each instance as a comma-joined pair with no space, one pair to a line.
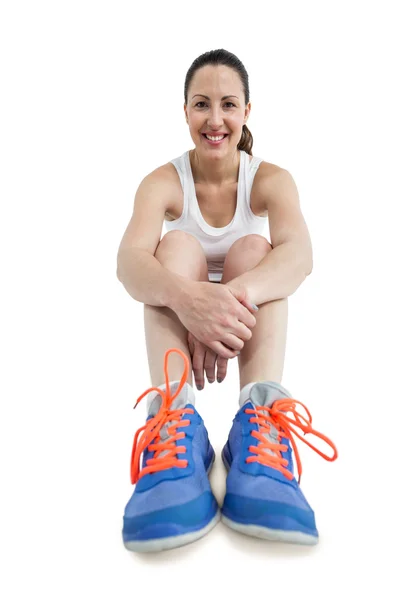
214,287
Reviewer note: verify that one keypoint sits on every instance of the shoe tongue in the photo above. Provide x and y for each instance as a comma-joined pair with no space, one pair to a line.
185,396
265,394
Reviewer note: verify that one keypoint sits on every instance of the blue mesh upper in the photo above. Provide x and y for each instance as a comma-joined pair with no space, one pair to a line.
254,480
173,487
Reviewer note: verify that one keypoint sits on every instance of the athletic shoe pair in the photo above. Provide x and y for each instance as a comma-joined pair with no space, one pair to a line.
173,504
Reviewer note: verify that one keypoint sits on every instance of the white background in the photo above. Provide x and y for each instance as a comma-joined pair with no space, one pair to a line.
92,101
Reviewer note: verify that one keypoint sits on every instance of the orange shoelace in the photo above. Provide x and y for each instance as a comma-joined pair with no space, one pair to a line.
151,430
277,416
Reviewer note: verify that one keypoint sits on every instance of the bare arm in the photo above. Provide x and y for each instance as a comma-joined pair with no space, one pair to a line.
147,281
143,277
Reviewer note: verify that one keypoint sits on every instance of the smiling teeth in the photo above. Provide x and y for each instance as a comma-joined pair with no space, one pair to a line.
215,139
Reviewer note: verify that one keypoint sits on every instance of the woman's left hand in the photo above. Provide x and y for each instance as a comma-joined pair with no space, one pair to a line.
205,359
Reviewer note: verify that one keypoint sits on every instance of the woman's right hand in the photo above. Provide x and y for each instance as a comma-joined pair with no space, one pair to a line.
217,316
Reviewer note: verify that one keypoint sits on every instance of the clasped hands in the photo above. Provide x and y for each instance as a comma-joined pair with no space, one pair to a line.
237,326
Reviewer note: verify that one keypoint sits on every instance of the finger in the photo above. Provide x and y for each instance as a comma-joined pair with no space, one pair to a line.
190,345
246,317
198,365
241,331
222,367
232,341
209,365
253,308
224,351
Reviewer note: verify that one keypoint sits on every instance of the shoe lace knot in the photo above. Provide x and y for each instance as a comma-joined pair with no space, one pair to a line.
268,452
149,436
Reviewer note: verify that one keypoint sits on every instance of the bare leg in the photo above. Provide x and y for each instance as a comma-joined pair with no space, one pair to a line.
180,253
262,357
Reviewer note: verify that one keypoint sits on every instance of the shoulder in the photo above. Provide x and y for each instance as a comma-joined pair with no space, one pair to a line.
270,182
164,177
266,170
165,173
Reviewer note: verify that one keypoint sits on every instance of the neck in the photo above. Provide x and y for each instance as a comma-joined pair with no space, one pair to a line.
215,170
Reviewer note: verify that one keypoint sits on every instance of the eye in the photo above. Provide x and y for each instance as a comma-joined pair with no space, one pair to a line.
201,102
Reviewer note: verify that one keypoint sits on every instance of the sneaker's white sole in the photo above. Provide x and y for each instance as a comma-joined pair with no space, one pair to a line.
273,535
174,541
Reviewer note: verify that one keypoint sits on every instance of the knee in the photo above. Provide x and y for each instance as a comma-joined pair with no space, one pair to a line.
244,255
252,243
182,253
177,240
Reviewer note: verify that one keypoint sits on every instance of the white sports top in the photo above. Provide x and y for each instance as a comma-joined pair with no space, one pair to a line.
216,241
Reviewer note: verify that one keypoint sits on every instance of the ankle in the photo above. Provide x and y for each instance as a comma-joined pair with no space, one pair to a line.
277,390
187,390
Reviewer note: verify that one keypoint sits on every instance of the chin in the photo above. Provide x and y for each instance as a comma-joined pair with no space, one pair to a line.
202,146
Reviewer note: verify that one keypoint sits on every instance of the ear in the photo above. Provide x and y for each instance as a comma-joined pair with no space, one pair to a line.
247,111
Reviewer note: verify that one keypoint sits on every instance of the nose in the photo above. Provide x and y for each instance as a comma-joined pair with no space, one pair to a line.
215,121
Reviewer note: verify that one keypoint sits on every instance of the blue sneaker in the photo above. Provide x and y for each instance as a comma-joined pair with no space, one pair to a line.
172,504
263,498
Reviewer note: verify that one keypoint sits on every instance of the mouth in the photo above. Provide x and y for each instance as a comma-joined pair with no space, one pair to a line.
215,143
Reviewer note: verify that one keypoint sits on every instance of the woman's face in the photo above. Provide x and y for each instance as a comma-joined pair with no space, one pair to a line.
214,113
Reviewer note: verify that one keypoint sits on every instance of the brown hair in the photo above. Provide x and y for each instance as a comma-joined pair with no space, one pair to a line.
223,57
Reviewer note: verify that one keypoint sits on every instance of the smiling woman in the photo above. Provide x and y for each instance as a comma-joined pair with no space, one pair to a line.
221,72
215,200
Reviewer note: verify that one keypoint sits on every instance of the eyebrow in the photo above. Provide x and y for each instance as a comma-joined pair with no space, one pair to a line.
223,97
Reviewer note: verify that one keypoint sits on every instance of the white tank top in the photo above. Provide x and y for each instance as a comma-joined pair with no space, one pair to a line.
216,241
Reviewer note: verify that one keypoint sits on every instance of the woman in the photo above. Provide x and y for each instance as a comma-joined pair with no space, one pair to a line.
216,201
